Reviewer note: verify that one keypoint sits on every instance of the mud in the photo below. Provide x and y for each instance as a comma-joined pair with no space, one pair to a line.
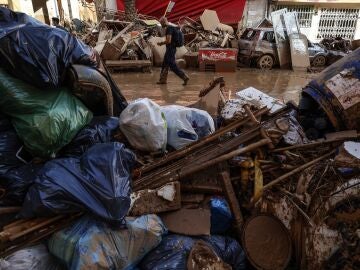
282,84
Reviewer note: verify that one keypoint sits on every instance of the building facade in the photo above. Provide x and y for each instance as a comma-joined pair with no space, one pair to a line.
44,10
318,19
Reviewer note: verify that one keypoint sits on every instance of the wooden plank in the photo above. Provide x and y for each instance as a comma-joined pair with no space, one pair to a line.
128,63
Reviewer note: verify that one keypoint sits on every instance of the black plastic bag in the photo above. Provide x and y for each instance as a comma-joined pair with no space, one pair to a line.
16,183
100,130
10,145
16,176
37,53
5,123
98,182
173,252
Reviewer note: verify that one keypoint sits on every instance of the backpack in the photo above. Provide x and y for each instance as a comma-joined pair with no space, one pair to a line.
178,37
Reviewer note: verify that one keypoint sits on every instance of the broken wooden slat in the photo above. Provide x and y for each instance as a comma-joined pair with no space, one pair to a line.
233,202
298,169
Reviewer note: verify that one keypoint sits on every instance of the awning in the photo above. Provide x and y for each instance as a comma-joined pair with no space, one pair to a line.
229,11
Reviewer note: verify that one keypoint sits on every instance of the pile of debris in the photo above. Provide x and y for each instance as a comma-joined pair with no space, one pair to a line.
337,48
337,44
125,45
221,184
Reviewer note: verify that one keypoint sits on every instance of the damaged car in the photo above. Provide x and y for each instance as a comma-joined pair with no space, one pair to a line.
257,46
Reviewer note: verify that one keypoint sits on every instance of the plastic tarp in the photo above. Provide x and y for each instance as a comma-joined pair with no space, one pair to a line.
97,182
229,11
174,250
45,121
144,125
31,258
91,244
100,130
221,217
38,53
186,125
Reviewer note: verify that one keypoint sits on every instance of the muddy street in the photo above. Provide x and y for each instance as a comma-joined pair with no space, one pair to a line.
283,84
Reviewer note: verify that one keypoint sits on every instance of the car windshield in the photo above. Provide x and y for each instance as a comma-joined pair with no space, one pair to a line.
249,34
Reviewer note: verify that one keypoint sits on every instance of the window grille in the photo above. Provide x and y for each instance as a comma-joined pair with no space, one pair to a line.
335,22
304,14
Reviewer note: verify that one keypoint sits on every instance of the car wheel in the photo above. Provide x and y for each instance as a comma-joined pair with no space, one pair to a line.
319,61
265,62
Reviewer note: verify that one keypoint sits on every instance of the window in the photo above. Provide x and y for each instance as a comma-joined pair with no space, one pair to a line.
304,14
335,22
269,36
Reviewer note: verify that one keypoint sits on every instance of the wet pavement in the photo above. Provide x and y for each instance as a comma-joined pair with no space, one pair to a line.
283,84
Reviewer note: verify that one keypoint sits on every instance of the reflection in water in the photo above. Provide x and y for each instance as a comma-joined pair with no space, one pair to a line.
282,84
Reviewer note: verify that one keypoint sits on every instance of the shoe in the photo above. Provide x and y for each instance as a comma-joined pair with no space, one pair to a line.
186,79
160,82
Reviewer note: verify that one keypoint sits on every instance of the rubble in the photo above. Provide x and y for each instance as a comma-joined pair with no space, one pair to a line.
127,193
133,45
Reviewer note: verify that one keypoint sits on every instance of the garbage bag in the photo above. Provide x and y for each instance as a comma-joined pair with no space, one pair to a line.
37,53
5,123
16,183
144,125
173,252
16,175
97,182
186,125
100,130
44,120
221,217
10,145
31,258
92,244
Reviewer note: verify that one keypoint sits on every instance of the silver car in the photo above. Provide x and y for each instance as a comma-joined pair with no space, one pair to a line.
258,46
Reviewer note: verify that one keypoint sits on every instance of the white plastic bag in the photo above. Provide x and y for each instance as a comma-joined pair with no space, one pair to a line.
144,125
186,125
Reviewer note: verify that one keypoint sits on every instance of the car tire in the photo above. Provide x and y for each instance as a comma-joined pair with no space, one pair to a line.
319,61
265,62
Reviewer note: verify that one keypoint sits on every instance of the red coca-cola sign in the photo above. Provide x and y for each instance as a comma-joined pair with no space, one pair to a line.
217,55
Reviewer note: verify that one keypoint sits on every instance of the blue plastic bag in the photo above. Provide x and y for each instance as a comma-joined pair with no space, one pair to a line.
173,252
97,182
92,244
100,130
221,216
37,53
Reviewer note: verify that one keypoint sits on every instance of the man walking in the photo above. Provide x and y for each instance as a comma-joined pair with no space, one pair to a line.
171,42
